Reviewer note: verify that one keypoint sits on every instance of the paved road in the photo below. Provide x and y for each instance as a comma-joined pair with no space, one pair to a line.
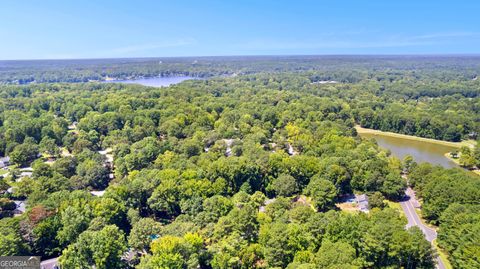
408,206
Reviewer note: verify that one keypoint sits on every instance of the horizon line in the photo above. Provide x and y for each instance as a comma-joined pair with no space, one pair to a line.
250,55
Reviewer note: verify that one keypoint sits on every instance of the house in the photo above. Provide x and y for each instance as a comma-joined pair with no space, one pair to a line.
65,153
26,172
228,143
267,202
362,202
131,254
97,193
108,157
4,162
291,150
27,169
20,207
50,264
325,82
73,126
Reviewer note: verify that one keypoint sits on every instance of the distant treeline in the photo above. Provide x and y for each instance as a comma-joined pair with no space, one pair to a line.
345,68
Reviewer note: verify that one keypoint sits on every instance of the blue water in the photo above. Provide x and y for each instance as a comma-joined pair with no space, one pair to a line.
154,82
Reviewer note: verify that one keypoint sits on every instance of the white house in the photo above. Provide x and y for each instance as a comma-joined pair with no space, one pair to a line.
4,162
362,202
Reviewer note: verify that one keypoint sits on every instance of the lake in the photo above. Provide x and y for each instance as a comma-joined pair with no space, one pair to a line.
154,81
421,151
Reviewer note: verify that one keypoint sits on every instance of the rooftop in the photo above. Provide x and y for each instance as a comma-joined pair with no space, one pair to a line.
97,193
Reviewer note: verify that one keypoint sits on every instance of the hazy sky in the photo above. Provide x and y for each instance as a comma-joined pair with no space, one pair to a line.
104,29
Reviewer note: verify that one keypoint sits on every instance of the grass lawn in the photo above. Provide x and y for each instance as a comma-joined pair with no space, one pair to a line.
395,205
3,171
12,167
442,255
348,207
456,160
477,172
468,143
305,200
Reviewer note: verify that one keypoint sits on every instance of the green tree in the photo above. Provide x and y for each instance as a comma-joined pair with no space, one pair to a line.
393,186
11,241
66,166
412,249
74,220
143,232
102,249
41,169
336,255
375,200
285,185
408,163
459,234
165,198
476,155
276,245
175,252
23,154
213,208
467,158
7,204
323,193
49,146
111,211
91,173
241,220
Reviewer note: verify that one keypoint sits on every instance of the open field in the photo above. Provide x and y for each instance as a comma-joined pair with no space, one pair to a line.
468,143
348,207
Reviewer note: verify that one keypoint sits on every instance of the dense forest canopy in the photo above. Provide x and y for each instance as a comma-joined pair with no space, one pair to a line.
235,171
427,96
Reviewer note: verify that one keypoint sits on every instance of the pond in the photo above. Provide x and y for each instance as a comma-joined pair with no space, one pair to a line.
154,81
421,151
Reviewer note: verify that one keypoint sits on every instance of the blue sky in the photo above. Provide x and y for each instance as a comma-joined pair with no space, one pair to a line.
108,29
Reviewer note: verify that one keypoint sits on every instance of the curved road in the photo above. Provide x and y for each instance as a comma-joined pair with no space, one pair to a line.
408,206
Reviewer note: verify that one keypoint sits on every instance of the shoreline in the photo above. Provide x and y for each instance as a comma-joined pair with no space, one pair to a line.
475,171
468,143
